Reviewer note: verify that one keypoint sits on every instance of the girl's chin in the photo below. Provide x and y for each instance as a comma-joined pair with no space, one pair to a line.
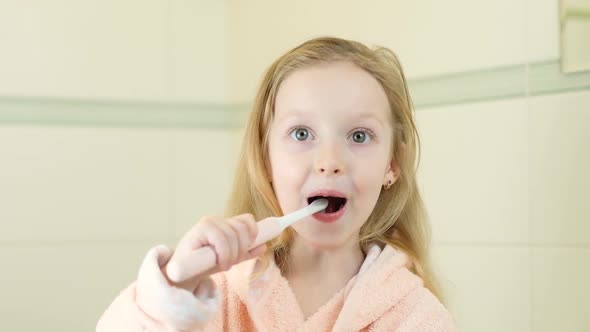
323,241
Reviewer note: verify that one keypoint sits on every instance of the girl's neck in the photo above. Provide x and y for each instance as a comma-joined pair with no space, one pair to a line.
315,274
336,264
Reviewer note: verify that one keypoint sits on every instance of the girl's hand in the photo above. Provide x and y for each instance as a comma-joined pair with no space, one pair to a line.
230,238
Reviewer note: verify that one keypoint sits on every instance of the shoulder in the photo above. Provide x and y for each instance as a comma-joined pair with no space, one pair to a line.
419,310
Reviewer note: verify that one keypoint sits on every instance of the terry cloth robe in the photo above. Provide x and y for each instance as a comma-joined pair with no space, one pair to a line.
383,296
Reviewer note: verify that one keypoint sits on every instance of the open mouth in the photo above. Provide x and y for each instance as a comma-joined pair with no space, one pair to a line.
334,203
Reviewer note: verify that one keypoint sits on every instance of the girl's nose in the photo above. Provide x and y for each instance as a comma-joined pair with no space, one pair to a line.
329,170
328,162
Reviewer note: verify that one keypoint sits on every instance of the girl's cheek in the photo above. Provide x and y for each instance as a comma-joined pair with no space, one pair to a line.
365,149
295,146
287,161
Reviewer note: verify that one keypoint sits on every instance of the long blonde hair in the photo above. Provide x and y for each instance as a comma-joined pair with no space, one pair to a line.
399,218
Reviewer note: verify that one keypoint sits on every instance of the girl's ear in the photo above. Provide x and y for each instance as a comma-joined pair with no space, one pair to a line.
268,169
392,174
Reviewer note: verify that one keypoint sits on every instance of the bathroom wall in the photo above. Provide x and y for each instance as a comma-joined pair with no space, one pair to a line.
120,124
115,136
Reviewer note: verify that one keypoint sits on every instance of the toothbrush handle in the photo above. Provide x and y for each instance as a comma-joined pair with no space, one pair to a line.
195,262
268,229
205,258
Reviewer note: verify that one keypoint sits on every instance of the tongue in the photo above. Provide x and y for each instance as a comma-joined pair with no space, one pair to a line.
331,207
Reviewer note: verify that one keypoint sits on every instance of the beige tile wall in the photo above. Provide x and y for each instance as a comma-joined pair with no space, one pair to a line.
474,171
505,181
506,186
64,287
474,177
203,174
487,287
560,283
559,139
90,49
84,184
431,37
82,205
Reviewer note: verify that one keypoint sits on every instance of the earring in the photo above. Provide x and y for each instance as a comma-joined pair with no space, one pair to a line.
388,185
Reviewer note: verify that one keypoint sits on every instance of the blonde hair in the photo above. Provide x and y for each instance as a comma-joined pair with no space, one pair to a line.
399,218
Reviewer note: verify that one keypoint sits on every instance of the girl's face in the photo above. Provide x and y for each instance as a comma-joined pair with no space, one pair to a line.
331,136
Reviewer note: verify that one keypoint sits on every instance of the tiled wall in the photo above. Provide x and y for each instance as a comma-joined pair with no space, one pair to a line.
82,204
506,185
504,178
431,37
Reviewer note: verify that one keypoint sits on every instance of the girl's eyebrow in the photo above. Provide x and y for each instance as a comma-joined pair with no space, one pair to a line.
301,113
292,113
371,116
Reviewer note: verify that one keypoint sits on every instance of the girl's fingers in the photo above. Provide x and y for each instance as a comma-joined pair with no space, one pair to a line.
241,230
230,238
196,237
233,243
216,237
250,222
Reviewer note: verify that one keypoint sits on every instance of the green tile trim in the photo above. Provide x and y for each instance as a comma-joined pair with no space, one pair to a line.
516,81
547,78
576,13
98,113
473,86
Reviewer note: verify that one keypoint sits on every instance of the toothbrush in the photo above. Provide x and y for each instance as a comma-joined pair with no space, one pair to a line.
204,258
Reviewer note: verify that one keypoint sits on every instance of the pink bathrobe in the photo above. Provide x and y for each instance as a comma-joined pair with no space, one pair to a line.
383,296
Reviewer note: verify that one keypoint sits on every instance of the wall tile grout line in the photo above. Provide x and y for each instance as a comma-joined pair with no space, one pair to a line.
543,78
38,244
159,240
516,245
529,198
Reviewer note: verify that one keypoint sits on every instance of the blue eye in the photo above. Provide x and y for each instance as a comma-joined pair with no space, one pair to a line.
361,136
300,134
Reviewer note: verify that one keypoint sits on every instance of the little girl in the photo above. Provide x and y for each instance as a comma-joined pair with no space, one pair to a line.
333,119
